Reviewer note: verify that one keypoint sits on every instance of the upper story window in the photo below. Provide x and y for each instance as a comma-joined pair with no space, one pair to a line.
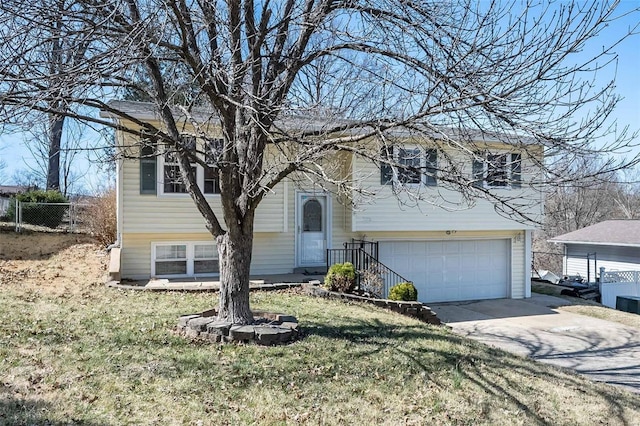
172,179
498,171
160,172
212,153
410,160
415,166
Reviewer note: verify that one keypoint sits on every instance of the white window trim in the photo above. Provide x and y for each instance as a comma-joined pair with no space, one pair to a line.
190,253
508,166
423,165
421,157
199,177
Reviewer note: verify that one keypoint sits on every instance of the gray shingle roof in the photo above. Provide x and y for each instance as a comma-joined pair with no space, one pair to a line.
148,111
607,233
12,189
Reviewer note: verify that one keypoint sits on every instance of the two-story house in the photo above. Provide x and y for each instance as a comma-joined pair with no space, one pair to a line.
451,254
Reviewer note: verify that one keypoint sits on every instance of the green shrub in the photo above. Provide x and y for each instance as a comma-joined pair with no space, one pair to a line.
340,277
39,214
404,291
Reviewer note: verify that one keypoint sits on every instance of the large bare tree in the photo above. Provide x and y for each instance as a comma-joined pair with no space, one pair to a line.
365,70
57,47
60,168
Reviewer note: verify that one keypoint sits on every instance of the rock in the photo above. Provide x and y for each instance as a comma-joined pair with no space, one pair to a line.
215,338
209,313
267,335
183,320
191,333
241,332
285,334
200,323
268,329
290,325
286,318
219,328
412,311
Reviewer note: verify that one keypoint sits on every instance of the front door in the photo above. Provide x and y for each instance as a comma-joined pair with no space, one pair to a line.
311,228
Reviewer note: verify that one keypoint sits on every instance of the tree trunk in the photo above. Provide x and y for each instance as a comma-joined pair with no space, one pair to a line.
56,123
234,253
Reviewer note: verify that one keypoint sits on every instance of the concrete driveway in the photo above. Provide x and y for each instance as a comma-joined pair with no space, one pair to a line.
603,350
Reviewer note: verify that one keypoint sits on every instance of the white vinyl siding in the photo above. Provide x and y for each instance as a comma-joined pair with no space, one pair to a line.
273,252
612,258
177,213
174,220
389,211
520,271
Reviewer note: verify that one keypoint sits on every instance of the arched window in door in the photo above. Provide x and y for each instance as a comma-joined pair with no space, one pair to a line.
312,216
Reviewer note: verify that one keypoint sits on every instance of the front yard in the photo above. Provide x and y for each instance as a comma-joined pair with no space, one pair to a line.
92,355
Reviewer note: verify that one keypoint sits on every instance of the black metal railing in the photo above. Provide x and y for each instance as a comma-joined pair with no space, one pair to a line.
369,247
372,275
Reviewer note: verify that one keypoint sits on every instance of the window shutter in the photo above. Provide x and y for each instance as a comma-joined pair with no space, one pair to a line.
431,170
516,171
148,166
386,171
478,173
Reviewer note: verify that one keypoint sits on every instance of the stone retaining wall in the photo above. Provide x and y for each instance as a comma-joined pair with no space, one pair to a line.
268,328
411,309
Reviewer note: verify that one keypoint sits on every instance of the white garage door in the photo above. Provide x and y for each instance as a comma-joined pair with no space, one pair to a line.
451,270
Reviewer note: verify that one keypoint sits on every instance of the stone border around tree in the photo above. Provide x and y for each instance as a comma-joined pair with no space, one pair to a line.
411,309
268,328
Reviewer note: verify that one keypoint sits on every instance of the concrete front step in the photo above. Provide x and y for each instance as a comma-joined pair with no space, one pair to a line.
311,270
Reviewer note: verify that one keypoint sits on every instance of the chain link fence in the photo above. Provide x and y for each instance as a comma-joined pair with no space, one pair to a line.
65,217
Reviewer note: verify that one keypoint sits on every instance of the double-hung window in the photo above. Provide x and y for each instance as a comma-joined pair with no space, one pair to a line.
168,170
411,165
205,259
212,154
173,182
501,170
170,259
184,259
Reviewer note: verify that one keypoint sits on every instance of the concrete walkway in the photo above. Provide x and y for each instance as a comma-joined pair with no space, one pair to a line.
212,284
603,350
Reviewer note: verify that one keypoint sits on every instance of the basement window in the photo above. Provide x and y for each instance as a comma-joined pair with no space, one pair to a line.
184,259
171,259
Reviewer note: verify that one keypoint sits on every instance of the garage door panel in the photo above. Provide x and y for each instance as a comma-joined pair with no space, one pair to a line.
451,270
434,247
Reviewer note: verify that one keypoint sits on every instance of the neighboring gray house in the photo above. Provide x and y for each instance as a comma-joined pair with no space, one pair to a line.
6,193
612,244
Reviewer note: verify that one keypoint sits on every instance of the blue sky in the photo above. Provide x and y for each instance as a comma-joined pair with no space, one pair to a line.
628,73
16,157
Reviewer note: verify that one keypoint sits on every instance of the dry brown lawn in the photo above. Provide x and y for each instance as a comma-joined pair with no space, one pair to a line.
75,352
